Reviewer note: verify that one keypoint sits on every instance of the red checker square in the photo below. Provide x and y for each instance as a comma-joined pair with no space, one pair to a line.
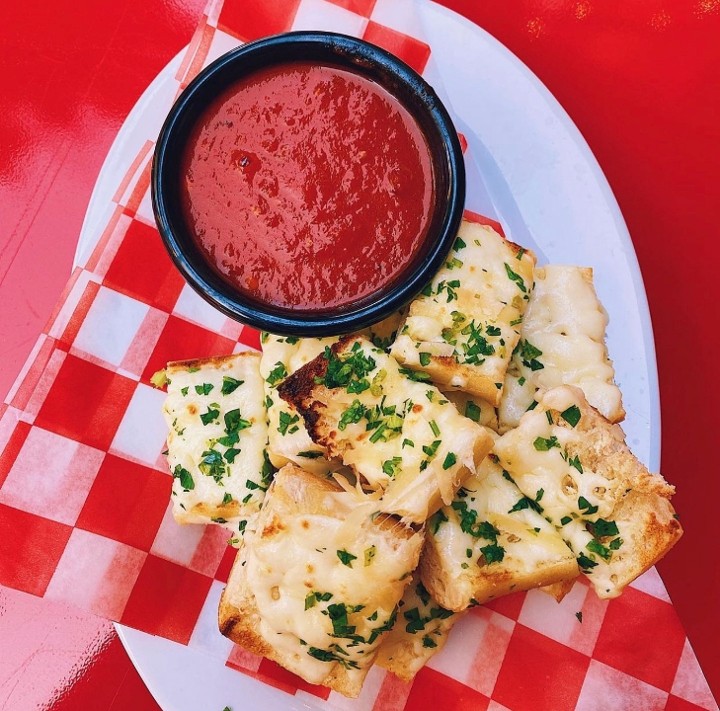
675,703
250,336
432,690
223,570
96,573
641,635
182,340
273,674
508,605
405,47
86,402
539,674
30,548
359,7
12,448
127,502
166,600
253,19
142,268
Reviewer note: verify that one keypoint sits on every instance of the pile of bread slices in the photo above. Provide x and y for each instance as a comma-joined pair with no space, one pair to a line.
380,484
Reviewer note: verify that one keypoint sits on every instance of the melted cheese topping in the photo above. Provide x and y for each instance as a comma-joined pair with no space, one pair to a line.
326,584
289,440
217,439
420,632
403,437
470,312
545,462
528,541
566,323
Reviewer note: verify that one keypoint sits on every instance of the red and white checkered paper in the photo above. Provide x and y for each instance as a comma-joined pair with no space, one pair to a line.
84,490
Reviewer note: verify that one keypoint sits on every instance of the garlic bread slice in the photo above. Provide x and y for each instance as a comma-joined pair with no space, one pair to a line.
318,581
406,442
464,326
574,464
562,342
216,446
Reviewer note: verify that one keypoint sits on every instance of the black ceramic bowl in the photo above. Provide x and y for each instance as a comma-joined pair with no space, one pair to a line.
364,59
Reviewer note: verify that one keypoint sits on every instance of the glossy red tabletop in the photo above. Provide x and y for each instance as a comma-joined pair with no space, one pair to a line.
640,80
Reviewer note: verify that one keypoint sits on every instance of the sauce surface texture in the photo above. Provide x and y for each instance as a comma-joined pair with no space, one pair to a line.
308,187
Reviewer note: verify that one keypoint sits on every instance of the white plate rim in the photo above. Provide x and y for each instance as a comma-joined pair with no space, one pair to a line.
144,649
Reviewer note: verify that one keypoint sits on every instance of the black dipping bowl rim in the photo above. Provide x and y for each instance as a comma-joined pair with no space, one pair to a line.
340,50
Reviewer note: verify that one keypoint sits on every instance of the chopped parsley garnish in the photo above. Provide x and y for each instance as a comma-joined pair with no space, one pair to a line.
575,462
493,553
230,454
351,367
213,464
600,549
571,415
234,422
528,503
184,391
229,385
185,477
204,389
429,642
407,442
450,459
586,563
565,520
346,558
585,506
392,466
454,263
418,376
287,423
424,358
544,444
529,355
434,427
514,276
353,414
437,519
309,454
212,414
472,411
459,244
602,528
277,374
227,498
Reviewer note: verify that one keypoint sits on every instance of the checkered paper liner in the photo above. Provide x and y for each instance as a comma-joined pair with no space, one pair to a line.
84,489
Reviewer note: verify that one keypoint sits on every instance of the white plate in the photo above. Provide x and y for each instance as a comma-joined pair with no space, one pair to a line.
540,178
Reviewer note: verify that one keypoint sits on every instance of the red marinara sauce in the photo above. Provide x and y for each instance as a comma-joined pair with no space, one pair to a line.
307,187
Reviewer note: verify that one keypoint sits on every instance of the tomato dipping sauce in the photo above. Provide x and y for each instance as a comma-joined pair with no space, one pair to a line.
308,187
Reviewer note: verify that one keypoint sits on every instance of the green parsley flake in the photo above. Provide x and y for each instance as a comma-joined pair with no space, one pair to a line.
571,415
543,444
450,459
277,374
229,385
212,414
186,480
472,411
204,389
288,423
346,558
514,276
424,358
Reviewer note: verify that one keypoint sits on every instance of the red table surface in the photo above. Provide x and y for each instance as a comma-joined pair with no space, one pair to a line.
640,80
